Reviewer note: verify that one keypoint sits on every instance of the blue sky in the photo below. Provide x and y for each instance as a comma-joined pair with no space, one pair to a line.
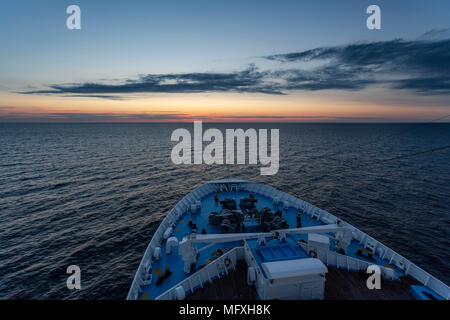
128,37
125,39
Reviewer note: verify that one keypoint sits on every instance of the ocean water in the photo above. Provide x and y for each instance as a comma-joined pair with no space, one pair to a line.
93,194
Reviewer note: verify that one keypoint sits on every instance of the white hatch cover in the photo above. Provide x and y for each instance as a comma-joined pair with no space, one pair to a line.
293,268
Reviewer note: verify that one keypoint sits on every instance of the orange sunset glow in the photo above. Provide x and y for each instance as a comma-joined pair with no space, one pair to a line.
214,108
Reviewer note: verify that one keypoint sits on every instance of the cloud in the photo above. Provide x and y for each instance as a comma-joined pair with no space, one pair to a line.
295,118
102,96
248,80
13,114
436,34
421,66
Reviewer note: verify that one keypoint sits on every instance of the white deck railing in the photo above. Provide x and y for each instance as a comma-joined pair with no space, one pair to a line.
342,261
214,269
170,220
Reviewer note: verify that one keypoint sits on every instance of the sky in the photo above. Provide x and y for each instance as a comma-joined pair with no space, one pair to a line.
228,61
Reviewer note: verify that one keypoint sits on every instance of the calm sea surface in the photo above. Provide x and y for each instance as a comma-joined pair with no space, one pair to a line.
93,194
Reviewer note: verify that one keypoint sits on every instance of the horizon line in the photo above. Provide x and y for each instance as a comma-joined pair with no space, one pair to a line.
235,122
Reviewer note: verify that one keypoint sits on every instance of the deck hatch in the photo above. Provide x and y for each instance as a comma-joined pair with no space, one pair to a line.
281,251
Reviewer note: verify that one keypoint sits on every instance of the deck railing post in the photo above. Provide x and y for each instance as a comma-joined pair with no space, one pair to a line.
190,284
209,277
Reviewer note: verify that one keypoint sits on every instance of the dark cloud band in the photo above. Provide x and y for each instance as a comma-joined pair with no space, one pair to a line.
421,66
